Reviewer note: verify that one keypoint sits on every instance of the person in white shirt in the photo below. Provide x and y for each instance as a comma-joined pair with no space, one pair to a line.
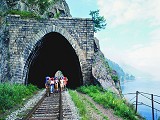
61,82
52,85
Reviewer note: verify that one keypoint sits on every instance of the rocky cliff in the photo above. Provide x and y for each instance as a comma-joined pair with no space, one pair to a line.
102,72
56,6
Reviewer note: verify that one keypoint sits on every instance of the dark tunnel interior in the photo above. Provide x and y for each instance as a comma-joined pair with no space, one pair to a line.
53,54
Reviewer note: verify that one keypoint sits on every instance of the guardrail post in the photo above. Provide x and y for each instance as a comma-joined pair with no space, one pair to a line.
152,107
136,100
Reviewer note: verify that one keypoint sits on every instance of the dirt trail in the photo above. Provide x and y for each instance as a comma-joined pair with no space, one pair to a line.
105,112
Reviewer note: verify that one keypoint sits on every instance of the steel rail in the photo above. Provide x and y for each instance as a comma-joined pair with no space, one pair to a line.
34,108
60,106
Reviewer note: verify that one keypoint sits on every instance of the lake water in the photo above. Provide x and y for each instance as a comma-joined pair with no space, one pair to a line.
148,86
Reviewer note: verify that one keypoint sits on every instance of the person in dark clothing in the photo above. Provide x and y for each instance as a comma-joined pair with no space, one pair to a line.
47,86
56,84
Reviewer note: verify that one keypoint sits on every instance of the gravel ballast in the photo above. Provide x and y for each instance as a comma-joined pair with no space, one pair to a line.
66,100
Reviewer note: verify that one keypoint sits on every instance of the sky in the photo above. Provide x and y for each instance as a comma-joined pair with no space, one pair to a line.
132,35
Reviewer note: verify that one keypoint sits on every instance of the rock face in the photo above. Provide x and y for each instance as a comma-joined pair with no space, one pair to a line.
19,38
3,5
101,72
60,7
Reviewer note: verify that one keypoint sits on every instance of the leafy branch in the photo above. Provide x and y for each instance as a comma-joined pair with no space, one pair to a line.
99,21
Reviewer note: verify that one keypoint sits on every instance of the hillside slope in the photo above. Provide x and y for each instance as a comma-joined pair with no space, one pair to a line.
94,102
120,72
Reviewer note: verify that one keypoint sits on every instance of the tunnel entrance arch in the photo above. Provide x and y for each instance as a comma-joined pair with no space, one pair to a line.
54,53
24,38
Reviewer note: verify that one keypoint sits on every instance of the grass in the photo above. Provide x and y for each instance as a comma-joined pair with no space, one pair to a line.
12,95
97,111
109,100
80,105
24,14
84,106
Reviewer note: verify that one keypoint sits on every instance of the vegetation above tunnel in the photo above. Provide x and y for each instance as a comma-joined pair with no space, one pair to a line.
36,9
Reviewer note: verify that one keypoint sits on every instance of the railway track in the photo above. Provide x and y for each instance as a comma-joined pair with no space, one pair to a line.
51,108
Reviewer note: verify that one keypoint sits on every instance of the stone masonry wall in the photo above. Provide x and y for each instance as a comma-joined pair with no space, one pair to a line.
24,34
4,50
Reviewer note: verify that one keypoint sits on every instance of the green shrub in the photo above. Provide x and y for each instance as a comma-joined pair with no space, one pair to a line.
115,78
14,94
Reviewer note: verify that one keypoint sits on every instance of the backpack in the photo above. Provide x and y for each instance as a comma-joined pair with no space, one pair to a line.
48,83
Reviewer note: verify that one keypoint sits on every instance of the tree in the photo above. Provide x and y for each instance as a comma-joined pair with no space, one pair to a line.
99,21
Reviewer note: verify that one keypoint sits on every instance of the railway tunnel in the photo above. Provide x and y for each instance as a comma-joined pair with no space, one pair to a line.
52,54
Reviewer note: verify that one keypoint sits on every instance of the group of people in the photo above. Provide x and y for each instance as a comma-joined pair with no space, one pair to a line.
54,84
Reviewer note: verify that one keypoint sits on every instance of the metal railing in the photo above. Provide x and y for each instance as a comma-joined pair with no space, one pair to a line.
148,96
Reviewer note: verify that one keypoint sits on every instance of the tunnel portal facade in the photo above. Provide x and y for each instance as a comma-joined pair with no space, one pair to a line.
36,49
